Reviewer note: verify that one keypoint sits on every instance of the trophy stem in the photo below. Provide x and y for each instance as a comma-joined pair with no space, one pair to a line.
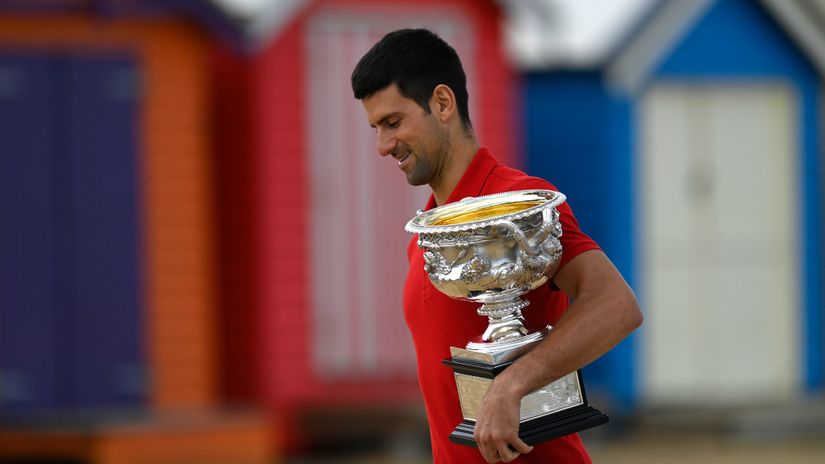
507,348
507,330
505,322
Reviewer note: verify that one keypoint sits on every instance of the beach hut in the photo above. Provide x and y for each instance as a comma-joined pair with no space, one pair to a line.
108,301
315,247
692,151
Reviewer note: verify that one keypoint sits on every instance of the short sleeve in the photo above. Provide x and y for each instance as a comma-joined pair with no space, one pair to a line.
573,241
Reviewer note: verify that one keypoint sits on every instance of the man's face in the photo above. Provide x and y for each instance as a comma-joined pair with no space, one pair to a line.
417,140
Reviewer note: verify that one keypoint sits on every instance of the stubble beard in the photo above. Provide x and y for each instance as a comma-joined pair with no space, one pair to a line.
426,169
421,172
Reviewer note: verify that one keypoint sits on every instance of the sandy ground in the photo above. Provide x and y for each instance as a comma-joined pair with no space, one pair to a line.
642,450
637,450
779,435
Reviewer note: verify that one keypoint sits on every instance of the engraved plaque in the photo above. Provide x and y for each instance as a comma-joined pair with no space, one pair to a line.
556,396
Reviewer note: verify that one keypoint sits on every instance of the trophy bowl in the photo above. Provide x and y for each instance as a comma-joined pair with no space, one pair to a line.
492,250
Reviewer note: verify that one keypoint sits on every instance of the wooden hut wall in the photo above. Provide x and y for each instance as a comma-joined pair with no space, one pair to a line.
173,175
272,345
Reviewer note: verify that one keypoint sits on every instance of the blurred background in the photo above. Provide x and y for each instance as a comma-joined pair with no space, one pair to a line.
201,257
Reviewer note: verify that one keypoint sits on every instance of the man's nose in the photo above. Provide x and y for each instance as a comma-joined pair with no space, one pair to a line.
386,144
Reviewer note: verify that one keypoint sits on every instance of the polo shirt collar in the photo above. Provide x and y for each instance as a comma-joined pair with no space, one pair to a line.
473,180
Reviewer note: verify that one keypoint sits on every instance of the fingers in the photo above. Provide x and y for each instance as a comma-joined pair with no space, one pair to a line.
504,451
489,453
518,445
507,453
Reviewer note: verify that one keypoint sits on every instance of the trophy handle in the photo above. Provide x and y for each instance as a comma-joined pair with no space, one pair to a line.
507,228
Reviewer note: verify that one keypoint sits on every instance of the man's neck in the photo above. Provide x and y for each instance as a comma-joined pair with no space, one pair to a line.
458,161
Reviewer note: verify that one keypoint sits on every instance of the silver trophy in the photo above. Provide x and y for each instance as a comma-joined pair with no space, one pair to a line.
492,250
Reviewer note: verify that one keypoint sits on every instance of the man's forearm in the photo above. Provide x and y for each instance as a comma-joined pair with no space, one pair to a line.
598,319
580,337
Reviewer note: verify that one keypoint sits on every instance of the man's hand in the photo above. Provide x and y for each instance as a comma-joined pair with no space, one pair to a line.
496,429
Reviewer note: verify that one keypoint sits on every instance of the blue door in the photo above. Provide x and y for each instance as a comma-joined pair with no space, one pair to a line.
70,218
99,134
28,297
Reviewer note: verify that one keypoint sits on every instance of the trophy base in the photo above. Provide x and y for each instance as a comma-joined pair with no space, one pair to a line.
557,409
542,429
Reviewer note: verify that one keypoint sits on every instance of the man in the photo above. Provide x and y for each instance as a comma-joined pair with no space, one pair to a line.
413,89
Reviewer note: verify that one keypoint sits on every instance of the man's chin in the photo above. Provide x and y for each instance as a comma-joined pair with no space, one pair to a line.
417,177
416,181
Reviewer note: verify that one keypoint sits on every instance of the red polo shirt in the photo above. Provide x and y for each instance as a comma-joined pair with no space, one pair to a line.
438,322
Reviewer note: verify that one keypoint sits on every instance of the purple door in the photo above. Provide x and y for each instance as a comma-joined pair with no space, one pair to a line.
28,296
70,219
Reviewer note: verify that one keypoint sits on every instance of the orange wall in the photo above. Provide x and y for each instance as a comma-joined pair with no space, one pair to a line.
177,197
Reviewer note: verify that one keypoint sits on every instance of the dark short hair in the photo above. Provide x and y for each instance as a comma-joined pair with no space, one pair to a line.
416,60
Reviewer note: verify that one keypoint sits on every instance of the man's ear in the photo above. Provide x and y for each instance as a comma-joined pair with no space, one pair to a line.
442,102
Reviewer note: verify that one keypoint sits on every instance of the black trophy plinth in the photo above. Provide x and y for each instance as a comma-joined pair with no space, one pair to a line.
560,408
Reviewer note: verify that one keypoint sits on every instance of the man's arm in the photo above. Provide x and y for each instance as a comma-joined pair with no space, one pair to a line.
604,311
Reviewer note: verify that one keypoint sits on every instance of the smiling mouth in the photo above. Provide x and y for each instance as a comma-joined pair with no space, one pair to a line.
402,158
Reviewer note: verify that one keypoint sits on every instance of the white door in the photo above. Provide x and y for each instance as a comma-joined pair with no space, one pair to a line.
720,288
